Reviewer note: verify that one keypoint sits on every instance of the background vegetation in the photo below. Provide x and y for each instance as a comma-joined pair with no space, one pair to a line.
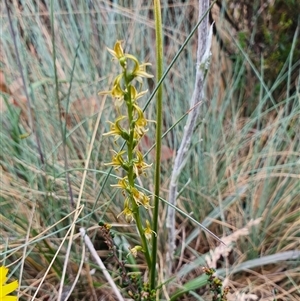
243,171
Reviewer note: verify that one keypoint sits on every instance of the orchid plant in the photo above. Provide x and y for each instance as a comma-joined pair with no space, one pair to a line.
130,127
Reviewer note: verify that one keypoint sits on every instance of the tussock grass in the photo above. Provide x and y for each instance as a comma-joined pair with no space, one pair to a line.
244,164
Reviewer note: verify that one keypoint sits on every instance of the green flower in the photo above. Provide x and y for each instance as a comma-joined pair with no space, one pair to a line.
140,198
133,251
122,184
6,289
117,52
135,95
116,129
117,160
139,165
127,212
139,70
148,231
141,122
117,91
145,202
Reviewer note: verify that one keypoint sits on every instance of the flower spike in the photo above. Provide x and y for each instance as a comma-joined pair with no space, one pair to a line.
125,94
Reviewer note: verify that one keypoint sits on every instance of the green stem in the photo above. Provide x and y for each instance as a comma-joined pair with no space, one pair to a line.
159,72
143,237
130,174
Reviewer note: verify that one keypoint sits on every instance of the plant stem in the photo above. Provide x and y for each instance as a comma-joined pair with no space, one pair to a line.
143,238
130,173
159,72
